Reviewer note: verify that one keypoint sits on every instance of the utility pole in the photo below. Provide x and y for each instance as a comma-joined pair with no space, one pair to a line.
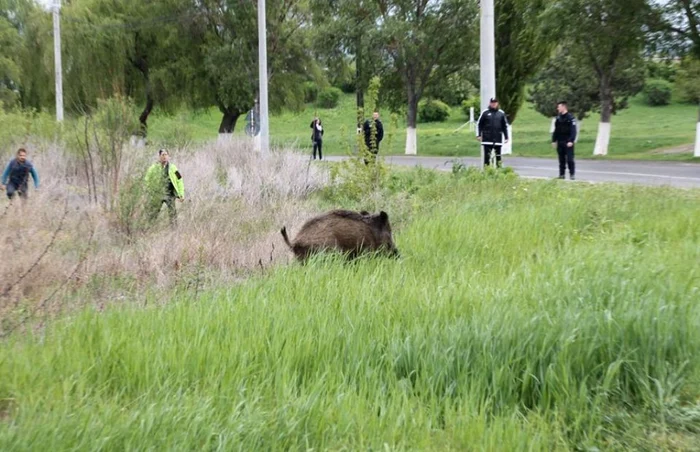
57,59
262,67
488,58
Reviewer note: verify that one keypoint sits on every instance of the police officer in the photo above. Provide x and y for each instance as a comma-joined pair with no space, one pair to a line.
490,130
563,139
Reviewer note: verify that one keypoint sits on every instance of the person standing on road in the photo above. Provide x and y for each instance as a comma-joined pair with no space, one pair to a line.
165,185
563,139
317,137
373,145
15,178
491,127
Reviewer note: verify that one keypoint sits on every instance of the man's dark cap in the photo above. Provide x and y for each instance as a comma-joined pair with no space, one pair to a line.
493,99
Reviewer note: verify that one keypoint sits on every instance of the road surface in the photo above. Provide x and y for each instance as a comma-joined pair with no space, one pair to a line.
675,174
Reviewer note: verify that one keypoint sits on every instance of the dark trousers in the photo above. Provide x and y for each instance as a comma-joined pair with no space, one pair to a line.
487,154
566,158
318,144
21,190
170,202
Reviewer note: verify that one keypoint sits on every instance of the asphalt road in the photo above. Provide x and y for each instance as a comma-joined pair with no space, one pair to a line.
675,174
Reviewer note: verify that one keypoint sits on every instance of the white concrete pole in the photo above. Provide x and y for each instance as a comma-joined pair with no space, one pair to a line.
262,66
488,58
697,135
58,69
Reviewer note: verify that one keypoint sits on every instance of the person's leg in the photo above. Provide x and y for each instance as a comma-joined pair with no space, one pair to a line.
487,154
320,149
154,210
170,202
570,161
561,151
315,146
497,149
11,190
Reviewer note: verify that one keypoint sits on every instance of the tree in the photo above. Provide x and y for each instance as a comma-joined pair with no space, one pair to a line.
522,47
606,36
348,27
565,78
682,22
10,75
230,55
426,41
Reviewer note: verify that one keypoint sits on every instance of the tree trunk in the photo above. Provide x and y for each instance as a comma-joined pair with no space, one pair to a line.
228,122
606,106
140,62
411,133
360,95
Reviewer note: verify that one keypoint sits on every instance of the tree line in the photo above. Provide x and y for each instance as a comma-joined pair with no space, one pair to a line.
202,53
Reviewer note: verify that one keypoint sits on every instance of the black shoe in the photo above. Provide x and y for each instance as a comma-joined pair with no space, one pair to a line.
561,177
572,177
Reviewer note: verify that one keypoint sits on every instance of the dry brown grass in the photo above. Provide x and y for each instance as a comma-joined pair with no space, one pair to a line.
60,246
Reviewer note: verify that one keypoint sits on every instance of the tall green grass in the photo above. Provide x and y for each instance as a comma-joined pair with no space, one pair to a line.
522,316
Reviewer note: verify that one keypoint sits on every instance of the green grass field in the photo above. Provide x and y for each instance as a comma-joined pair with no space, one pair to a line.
524,315
639,132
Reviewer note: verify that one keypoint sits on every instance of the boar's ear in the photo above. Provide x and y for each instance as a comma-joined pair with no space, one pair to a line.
383,217
364,213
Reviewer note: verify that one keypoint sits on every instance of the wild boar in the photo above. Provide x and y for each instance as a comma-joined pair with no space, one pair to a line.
346,231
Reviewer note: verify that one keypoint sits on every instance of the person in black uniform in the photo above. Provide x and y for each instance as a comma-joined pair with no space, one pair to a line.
317,137
490,130
563,139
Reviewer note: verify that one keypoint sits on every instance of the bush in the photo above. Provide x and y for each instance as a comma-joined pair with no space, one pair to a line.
329,97
433,111
688,81
657,92
664,70
310,92
472,102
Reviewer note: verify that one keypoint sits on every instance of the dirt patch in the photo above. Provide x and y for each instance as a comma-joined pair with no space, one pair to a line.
684,149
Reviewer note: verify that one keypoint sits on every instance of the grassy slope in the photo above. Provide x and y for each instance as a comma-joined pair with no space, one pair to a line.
637,131
524,315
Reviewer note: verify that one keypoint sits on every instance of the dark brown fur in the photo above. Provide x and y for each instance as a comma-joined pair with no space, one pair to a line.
345,231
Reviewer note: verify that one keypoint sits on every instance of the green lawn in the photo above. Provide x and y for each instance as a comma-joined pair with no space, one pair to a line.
639,132
524,315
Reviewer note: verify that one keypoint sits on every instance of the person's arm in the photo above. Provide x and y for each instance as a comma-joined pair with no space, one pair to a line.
504,124
35,177
6,174
480,125
574,126
380,131
180,184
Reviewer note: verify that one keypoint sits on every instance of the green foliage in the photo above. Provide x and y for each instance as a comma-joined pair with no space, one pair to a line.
329,97
658,92
433,110
310,92
688,80
474,102
565,78
523,46
663,70
453,90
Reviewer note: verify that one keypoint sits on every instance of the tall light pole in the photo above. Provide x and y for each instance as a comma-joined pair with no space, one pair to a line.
488,58
262,68
57,59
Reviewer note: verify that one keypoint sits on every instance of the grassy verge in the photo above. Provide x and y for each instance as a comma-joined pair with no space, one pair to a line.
640,132
523,316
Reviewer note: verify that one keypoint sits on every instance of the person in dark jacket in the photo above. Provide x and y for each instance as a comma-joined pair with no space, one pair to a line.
563,139
15,178
491,128
373,147
317,137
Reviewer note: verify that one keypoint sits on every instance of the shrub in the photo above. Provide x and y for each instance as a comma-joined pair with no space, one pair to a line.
310,92
329,97
664,70
688,81
657,92
475,102
433,111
